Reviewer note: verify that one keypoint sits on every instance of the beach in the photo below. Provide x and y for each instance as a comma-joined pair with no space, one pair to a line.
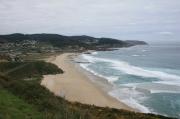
75,86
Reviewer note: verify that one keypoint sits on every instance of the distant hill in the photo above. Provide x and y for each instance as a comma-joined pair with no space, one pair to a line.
136,42
61,41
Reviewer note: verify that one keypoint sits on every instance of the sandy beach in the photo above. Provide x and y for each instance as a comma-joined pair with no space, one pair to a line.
75,86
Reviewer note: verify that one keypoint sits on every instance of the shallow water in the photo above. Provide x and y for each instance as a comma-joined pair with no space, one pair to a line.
144,77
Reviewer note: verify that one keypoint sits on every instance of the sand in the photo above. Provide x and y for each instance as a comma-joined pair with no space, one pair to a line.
75,86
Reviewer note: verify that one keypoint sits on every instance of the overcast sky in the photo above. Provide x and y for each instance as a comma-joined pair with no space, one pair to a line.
123,19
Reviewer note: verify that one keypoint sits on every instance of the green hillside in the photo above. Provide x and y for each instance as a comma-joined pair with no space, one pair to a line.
27,98
12,107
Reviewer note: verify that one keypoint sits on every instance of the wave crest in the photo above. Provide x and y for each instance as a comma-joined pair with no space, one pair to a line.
125,67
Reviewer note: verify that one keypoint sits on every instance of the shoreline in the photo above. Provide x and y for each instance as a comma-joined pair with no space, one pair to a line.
75,84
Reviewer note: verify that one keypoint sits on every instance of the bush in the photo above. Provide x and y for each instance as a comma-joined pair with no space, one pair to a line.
22,70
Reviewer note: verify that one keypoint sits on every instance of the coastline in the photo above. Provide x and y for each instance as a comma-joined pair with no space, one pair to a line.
76,86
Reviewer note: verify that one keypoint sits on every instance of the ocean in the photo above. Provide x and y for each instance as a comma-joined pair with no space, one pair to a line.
144,77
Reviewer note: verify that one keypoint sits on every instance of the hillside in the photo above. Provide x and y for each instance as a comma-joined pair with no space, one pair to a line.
24,97
21,94
17,47
61,41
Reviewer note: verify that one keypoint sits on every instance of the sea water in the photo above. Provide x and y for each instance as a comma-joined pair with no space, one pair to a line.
144,77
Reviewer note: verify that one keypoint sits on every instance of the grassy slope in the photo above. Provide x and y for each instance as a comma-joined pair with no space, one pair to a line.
13,107
23,70
52,107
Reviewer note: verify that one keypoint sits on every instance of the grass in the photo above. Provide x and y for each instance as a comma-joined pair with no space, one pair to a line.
12,107
22,70
39,99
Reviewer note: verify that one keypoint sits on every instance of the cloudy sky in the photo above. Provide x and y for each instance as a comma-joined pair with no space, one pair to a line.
149,20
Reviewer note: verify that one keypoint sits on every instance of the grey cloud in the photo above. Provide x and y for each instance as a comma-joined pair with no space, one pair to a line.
127,19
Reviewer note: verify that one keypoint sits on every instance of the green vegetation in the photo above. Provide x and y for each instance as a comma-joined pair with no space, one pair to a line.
20,47
65,42
37,100
12,107
28,69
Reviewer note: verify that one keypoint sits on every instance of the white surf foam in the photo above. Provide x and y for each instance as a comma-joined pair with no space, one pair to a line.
88,58
154,87
110,79
127,96
144,50
135,55
130,95
133,70
163,91
177,83
94,53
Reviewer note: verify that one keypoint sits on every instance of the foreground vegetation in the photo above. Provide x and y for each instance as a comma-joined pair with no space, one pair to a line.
12,107
22,97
